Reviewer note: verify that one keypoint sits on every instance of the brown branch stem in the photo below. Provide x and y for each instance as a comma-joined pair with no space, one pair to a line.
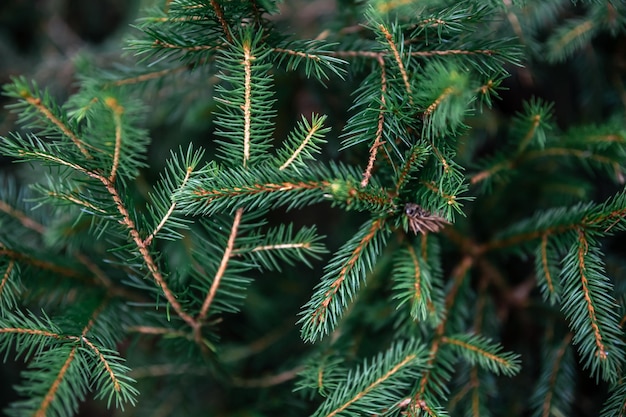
228,253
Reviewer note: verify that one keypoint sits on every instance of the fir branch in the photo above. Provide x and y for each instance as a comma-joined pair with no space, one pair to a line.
553,393
279,244
247,86
398,60
8,286
59,374
39,263
452,52
117,110
416,156
557,221
245,117
459,273
219,13
589,308
153,75
228,253
195,48
210,198
414,284
615,405
90,207
168,214
317,57
544,264
341,280
19,215
568,38
372,387
303,148
378,142
42,410
479,351
41,106
583,249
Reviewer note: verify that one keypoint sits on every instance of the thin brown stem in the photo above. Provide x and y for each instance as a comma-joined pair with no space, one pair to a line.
117,110
49,397
47,113
228,253
147,241
247,104
300,148
147,77
145,253
401,364
378,140
398,59
22,217
602,351
556,367
458,273
54,387
219,13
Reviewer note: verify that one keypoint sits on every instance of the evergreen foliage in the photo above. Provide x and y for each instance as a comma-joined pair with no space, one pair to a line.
461,240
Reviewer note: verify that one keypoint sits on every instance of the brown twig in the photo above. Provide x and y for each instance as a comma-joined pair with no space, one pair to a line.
378,142
228,252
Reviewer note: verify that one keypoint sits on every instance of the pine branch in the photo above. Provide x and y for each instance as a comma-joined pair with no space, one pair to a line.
477,350
429,385
589,308
56,375
416,285
40,111
303,143
553,393
280,245
228,252
246,107
342,279
423,77
317,57
374,387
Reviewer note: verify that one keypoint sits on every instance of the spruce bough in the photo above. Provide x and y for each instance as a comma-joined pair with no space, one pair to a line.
209,289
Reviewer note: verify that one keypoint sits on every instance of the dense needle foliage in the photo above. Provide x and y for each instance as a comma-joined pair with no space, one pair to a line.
395,215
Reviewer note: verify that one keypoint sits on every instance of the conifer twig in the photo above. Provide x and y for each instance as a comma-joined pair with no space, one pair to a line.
320,313
398,59
228,252
54,387
544,262
362,393
547,402
247,105
378,142
310,135
37,103
147,77
38,263
117,110
20,216
6,275
145,253
45,404
147,241
219,13
459,273
602,352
